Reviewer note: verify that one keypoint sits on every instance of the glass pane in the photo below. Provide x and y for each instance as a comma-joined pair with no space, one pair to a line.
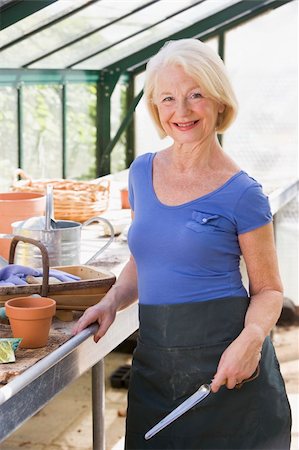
263,69
125,28
38,19
8,137
75,26
81,131
120,30
156,33
42,131
118,154
213,43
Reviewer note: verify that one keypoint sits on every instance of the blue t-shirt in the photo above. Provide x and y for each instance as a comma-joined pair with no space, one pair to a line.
190,252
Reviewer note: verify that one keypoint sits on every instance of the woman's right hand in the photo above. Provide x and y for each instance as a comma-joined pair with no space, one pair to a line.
120,295
103,313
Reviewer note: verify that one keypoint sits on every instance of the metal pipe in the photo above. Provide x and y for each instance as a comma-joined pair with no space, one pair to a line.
64,128
18,383
98,405
20,125
35,387
283,195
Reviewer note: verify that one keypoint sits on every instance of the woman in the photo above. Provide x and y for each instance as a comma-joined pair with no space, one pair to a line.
195,213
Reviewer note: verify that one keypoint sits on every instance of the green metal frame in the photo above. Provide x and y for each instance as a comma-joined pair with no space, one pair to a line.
20,124
90,33
105,88
103,49
10,77
47,25
64,128
212,26
107,78
127,120
205,28
131,102
19,9
24,77
105,144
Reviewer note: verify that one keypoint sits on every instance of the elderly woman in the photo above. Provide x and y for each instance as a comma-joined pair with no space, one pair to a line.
194,213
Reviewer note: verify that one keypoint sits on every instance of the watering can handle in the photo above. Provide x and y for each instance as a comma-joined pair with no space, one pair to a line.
100,219
45,258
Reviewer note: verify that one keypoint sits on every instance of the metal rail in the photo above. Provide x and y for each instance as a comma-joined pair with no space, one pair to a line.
22,397
281,196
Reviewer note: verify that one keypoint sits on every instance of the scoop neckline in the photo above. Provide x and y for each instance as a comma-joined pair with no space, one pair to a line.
190,202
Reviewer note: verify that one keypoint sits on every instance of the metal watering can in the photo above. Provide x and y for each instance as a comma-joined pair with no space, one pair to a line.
62,238
62,241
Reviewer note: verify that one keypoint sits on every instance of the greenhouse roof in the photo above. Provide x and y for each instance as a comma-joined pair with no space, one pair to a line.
108,35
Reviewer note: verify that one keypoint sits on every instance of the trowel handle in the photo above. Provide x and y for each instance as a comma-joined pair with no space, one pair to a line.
45,258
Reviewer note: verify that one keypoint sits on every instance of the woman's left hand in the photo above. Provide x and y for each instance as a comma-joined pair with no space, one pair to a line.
239,361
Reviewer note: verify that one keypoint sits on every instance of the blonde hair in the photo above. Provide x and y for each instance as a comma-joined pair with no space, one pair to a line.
204,65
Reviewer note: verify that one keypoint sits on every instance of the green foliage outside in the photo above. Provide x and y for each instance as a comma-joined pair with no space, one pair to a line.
42,132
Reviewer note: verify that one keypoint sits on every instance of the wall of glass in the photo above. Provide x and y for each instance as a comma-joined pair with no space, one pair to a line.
118,154
263,140
42,138
41,115
81,131
263,69
8,135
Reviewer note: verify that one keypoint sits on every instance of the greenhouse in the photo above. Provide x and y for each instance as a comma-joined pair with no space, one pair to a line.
72,111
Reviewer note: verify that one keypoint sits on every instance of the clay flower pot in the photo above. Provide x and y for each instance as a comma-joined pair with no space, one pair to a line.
124,196
16,206
30,319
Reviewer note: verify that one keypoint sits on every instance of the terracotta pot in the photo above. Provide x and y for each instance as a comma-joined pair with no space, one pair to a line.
15,206
124,196
30,319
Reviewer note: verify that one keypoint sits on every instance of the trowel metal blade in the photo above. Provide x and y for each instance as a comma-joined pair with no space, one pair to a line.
191,401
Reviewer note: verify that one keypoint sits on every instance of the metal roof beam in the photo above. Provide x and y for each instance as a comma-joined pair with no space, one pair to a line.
135,34
47,76
204,28
16,10
90,33
124,124
46,25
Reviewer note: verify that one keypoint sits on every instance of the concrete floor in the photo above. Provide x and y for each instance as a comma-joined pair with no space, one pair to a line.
66,422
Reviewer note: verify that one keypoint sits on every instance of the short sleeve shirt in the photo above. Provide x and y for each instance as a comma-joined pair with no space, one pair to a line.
191,252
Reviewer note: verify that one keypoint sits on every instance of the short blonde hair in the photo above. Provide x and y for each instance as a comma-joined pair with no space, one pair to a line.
204,65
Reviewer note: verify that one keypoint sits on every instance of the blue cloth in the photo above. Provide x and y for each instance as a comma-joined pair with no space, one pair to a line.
15,275
191,252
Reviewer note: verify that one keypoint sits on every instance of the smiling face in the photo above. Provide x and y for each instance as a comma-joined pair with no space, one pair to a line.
186,114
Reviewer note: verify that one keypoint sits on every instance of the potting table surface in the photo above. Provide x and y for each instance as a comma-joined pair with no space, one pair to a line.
39,374
26,357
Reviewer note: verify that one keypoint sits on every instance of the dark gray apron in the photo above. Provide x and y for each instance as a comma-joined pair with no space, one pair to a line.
178,349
